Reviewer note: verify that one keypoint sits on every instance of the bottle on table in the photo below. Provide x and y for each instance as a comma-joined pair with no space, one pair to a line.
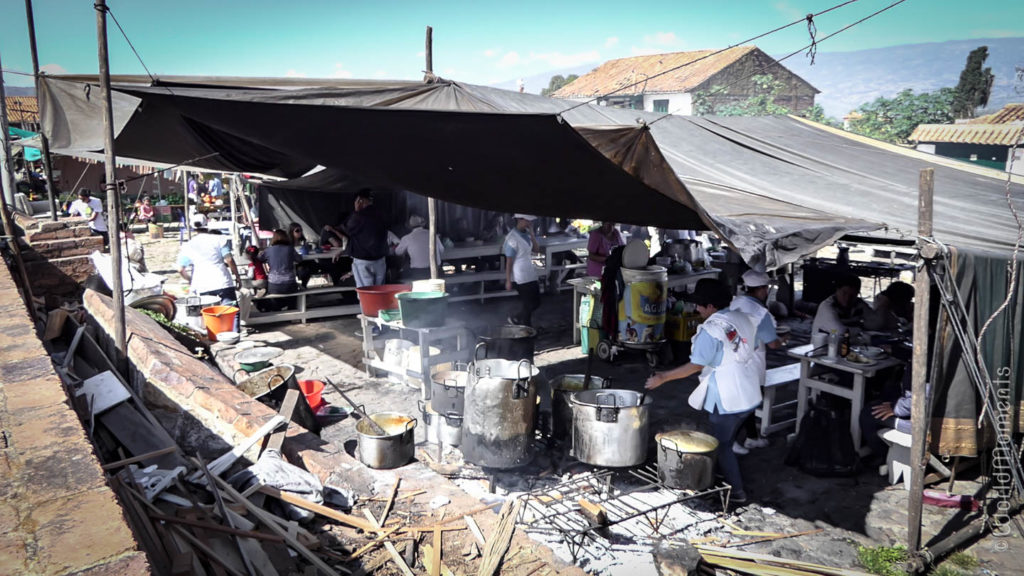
833,344
844,344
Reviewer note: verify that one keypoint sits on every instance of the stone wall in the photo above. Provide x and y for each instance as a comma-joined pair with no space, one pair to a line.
57,254
57,514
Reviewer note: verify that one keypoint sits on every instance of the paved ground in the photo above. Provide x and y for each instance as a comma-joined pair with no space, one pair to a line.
862,510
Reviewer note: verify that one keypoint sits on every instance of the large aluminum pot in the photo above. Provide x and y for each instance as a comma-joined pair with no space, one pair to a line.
498,423
562,387
510,342
686,459
448,391
431,422
609,427
392,450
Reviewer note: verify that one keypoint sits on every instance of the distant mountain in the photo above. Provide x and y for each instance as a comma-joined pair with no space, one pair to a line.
19,90
849,79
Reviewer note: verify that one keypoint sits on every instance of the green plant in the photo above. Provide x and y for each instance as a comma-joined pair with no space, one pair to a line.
946,570
883,560
964,560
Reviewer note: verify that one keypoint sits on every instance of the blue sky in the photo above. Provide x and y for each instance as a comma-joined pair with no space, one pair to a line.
481,42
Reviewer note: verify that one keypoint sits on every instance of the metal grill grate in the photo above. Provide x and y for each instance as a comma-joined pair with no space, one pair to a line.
638,507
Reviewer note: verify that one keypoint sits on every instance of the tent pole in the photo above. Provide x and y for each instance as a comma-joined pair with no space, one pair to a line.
431,201
113,193
919,370
235,240
47,166
188,224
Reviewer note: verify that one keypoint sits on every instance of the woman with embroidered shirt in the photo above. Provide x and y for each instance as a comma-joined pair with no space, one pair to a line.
520,244
729,390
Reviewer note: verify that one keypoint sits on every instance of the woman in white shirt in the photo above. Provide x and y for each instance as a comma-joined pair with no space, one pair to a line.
520,244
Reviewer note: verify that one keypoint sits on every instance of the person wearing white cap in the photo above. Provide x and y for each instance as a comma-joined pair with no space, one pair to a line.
753,304
520,244
417,244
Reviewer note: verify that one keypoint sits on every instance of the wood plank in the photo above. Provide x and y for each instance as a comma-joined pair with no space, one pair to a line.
276,439
501,539
346,519
140,458
391,548
475,529
217,527
435,557
138,436
387,506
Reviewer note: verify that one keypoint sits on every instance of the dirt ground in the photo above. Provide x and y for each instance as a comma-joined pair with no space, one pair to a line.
851,512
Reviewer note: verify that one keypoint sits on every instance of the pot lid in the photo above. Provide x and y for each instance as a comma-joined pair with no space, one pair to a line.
635,254
255,355
687,441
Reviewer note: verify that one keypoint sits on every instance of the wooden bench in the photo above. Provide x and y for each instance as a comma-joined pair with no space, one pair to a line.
481,278
775,379
303,312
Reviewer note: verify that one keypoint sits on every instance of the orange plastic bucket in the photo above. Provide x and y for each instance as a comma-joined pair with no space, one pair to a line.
312,389
219,319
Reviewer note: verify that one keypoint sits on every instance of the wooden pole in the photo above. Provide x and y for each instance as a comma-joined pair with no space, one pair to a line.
184,207
918,409
113,194
6,166
47,166
431,201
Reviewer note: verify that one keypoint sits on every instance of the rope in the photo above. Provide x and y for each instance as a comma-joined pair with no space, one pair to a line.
705,57
812,31
813,44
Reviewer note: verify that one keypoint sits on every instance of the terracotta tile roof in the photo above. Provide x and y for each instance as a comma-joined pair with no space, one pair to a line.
22,109
1009,113
615,74
988,134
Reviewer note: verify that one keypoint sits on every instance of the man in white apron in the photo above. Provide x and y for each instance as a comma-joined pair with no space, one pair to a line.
724,353
753,304
520,244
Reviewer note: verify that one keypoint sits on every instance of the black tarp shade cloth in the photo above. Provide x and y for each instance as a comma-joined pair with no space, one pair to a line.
774,187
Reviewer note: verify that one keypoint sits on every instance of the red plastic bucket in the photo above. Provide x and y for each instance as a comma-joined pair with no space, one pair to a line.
312,389
373,299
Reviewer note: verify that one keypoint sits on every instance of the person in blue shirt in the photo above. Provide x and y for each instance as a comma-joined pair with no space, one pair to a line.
723,352
520,244
756,285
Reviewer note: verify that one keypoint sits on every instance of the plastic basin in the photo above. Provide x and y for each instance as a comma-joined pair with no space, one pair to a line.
373,299
423,309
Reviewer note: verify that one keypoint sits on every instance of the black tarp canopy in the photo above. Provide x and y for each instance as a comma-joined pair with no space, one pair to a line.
775,187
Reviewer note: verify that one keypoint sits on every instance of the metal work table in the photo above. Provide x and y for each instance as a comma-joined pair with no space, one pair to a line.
425,338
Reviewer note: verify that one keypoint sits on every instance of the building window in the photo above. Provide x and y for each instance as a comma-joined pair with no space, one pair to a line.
661,106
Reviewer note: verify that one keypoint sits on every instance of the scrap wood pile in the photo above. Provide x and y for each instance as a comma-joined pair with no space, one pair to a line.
220,517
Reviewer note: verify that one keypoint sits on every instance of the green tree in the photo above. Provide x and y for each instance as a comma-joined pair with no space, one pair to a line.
762,103
893,119
975,85
556,82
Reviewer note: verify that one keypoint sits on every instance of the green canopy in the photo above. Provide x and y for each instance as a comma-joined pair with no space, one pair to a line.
31,154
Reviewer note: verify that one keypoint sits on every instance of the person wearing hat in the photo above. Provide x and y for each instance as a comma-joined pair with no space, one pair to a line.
520,244
417,245
92,209
756,285
368,241
723,352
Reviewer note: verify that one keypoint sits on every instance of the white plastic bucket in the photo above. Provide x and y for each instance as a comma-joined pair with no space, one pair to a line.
396,352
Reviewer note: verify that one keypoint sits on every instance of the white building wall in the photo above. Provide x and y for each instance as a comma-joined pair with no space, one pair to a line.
679,104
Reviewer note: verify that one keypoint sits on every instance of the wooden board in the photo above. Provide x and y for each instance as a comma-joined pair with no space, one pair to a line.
139,436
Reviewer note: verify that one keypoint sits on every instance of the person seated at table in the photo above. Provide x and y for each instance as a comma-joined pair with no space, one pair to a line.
417,245
893,308
602,240
281,259
891,410
305,268
144,210
843,310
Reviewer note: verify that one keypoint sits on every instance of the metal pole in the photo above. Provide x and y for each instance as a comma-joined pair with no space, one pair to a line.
918,409
6,167
47,167
235,240
188,223
431,201
113,194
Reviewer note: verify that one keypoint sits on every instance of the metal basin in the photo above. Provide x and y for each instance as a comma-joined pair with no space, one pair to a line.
609,427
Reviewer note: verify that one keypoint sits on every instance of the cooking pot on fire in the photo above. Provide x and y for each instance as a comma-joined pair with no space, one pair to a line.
609,427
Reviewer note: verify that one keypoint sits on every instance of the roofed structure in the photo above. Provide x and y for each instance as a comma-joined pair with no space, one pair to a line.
22,110
985,140
630,82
